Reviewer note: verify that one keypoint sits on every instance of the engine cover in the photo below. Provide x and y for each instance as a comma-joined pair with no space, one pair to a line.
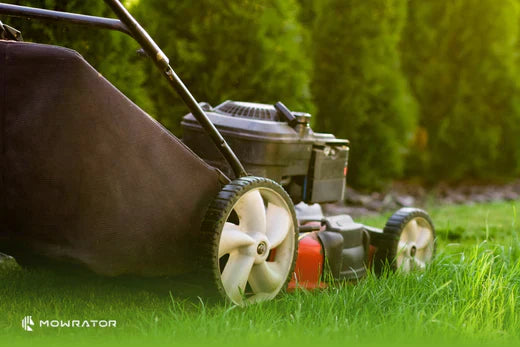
312,166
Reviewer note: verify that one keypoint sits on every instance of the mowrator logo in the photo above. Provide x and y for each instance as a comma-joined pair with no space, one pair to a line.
27,322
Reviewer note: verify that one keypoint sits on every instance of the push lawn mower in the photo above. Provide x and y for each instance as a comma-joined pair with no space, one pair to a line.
88,178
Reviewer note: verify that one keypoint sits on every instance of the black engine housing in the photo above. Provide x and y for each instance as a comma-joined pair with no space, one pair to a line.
311,166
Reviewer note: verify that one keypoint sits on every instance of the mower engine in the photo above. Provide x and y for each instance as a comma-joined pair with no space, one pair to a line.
273,142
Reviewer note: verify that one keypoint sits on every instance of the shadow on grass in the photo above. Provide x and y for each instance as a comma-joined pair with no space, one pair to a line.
76,282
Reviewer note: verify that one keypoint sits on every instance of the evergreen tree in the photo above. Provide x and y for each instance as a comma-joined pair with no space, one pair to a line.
307,12
240,50
358,87
306,17
460,59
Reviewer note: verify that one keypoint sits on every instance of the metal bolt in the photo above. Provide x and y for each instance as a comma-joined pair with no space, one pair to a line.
262,247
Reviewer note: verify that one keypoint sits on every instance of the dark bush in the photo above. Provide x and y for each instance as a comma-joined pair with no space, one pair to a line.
459,57
358,87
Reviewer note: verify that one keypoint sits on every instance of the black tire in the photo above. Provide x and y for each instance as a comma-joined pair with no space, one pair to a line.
388,244
220,211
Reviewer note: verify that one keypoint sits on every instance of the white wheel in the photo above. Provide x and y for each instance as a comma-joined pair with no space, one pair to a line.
254,238
414,245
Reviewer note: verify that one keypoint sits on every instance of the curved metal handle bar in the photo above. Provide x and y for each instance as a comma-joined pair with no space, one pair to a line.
58,16
128,25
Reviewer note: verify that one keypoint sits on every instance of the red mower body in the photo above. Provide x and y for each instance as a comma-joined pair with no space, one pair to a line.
309,264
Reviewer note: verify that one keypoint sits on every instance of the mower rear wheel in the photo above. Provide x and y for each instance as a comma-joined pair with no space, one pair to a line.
413,242
250,241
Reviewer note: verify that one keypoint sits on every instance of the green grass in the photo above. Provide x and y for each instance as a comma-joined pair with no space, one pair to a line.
468,295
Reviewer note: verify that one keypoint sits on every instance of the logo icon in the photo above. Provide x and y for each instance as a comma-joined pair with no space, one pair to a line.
27,322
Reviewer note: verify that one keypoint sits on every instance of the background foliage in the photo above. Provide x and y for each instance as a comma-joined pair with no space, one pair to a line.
422,88
461,59
358,88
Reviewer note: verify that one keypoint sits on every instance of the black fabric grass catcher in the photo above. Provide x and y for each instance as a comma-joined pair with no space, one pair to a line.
87,177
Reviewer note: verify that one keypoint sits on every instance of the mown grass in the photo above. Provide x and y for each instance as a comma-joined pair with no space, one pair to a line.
468,295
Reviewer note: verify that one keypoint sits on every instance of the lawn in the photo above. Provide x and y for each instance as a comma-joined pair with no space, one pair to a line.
468,295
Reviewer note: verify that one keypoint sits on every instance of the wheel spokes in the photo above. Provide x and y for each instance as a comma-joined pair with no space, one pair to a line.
402,247
424,254
406,265
265,277
235,275
424,239
278,224
251,212
411,231
232,238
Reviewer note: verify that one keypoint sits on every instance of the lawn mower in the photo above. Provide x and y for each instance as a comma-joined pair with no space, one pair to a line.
91,180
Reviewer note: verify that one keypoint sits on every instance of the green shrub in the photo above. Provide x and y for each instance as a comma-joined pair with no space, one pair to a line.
358,87
460,59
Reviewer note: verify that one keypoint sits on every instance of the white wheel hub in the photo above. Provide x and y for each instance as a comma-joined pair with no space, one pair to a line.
260,247
416,245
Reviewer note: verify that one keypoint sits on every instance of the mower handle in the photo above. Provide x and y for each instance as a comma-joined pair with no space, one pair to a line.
58,16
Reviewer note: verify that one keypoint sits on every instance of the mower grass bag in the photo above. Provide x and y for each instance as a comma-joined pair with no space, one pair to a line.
87,177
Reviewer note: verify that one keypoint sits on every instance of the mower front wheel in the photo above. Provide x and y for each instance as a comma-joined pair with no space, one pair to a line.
249,241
